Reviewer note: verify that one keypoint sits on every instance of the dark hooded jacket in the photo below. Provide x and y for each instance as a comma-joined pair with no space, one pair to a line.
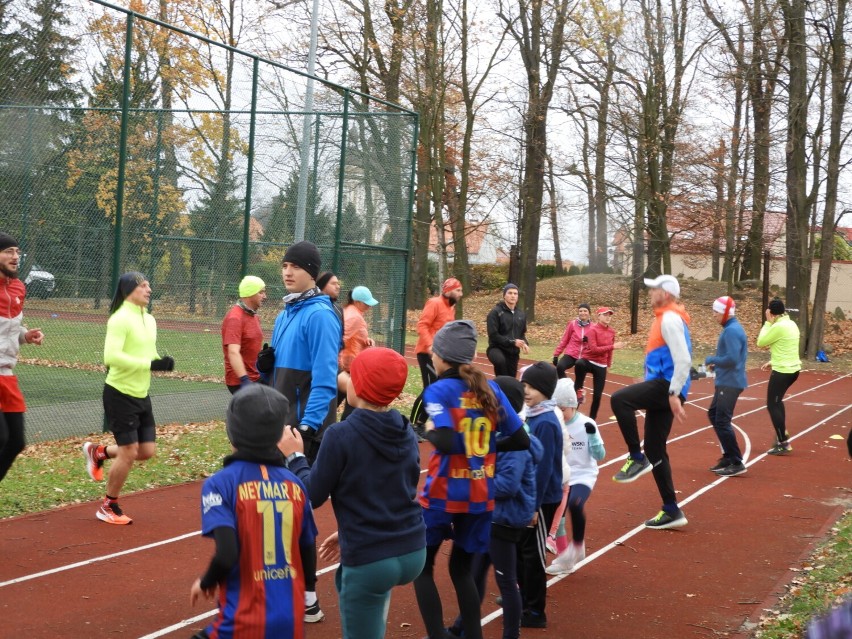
514,485
369,464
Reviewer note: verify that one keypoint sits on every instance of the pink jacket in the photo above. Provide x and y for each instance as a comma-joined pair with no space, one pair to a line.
571,342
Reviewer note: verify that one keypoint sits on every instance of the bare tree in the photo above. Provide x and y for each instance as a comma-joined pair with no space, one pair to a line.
538,28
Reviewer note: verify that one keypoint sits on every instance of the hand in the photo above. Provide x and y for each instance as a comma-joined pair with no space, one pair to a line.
266,359
590,428
291,441
765,366
245,381
618,345
677,408
521,344
196,592
34,336
769,316
534,521
370,342
555,360
429,425
329,549
163,364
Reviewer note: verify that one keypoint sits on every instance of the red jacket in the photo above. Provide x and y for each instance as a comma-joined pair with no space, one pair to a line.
12,329
600,346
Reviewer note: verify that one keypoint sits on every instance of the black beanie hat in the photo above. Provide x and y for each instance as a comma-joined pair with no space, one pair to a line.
542,377
306,255
255,418
7,241
127,283
324,279
512,389
586,306
776,306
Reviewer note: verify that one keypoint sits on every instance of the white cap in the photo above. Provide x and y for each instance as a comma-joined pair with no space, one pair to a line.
725,305
666,282
565,395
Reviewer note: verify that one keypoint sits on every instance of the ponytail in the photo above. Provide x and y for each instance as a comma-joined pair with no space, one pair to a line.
478,384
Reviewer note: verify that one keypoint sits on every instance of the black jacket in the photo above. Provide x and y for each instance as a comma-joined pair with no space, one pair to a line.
505,326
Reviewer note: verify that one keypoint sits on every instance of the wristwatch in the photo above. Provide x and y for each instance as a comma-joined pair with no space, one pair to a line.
304,428
292,456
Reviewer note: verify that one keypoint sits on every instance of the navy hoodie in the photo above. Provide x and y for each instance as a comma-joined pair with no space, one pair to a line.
369,464
514,485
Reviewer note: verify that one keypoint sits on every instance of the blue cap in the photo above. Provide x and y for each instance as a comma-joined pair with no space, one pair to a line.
362,294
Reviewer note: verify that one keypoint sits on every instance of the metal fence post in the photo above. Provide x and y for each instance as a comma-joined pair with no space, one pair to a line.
341,177
250,167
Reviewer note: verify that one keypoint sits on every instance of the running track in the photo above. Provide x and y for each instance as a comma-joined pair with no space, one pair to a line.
64,574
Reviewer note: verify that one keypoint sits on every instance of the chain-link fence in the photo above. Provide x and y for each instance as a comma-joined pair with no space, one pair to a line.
195,163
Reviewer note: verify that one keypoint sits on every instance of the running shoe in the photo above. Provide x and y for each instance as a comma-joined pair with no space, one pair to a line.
112,514
723,462
566,561
550,544
780,448
94,467
313,613
581,396
632,470
732,470
665,520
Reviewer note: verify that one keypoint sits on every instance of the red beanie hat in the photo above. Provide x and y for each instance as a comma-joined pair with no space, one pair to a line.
450,284
378,375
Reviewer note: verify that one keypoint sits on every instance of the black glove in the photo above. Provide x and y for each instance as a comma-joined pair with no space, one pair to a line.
163,364
266,359
590,428
555,360
585,339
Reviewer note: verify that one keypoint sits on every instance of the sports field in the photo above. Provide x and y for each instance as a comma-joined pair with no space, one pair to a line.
64,574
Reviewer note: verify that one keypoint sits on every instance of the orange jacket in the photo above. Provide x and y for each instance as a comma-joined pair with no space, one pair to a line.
436,313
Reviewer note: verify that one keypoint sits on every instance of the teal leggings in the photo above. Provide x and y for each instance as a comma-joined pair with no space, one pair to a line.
364,592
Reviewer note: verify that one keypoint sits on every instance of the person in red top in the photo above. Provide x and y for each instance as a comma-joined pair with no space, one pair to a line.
438,311
242,335
597,357
356,338
12,334
572,343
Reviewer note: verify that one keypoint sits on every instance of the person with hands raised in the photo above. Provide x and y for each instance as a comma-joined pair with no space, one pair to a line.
130,354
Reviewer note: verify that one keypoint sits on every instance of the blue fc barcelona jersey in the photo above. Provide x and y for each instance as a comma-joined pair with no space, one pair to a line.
463,481
264,596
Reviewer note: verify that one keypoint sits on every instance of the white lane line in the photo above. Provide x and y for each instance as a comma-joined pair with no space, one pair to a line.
94,560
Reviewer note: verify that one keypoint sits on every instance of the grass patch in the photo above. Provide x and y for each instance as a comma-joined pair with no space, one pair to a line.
823,581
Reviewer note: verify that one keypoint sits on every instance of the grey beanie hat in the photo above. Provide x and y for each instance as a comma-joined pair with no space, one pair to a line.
255,418
565,395
456,342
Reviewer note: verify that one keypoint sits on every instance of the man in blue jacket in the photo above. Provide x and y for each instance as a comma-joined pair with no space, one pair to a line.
306,337
729,364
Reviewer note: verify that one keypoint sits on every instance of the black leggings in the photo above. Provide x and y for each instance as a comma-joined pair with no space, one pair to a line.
599,380
563,364
429,599
779,383
11,440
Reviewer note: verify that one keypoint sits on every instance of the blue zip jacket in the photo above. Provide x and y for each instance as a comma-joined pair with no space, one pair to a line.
514,485
306,337
548,472
729,361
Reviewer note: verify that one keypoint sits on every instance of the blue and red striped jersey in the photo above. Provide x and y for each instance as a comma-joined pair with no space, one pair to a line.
463,481
264,596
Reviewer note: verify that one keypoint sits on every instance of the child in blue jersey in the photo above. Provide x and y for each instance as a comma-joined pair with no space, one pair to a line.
466,412
539,382
259,514
582,449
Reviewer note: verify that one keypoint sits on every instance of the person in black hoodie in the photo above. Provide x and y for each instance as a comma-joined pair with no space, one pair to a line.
369,465
507,333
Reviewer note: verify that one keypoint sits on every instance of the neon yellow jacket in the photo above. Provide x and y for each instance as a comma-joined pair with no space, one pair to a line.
782,338
130,345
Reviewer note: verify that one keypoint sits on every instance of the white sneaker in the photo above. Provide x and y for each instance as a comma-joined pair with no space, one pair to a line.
566,561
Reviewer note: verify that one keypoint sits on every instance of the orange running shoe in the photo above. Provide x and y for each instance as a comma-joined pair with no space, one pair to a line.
95,467
112,514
